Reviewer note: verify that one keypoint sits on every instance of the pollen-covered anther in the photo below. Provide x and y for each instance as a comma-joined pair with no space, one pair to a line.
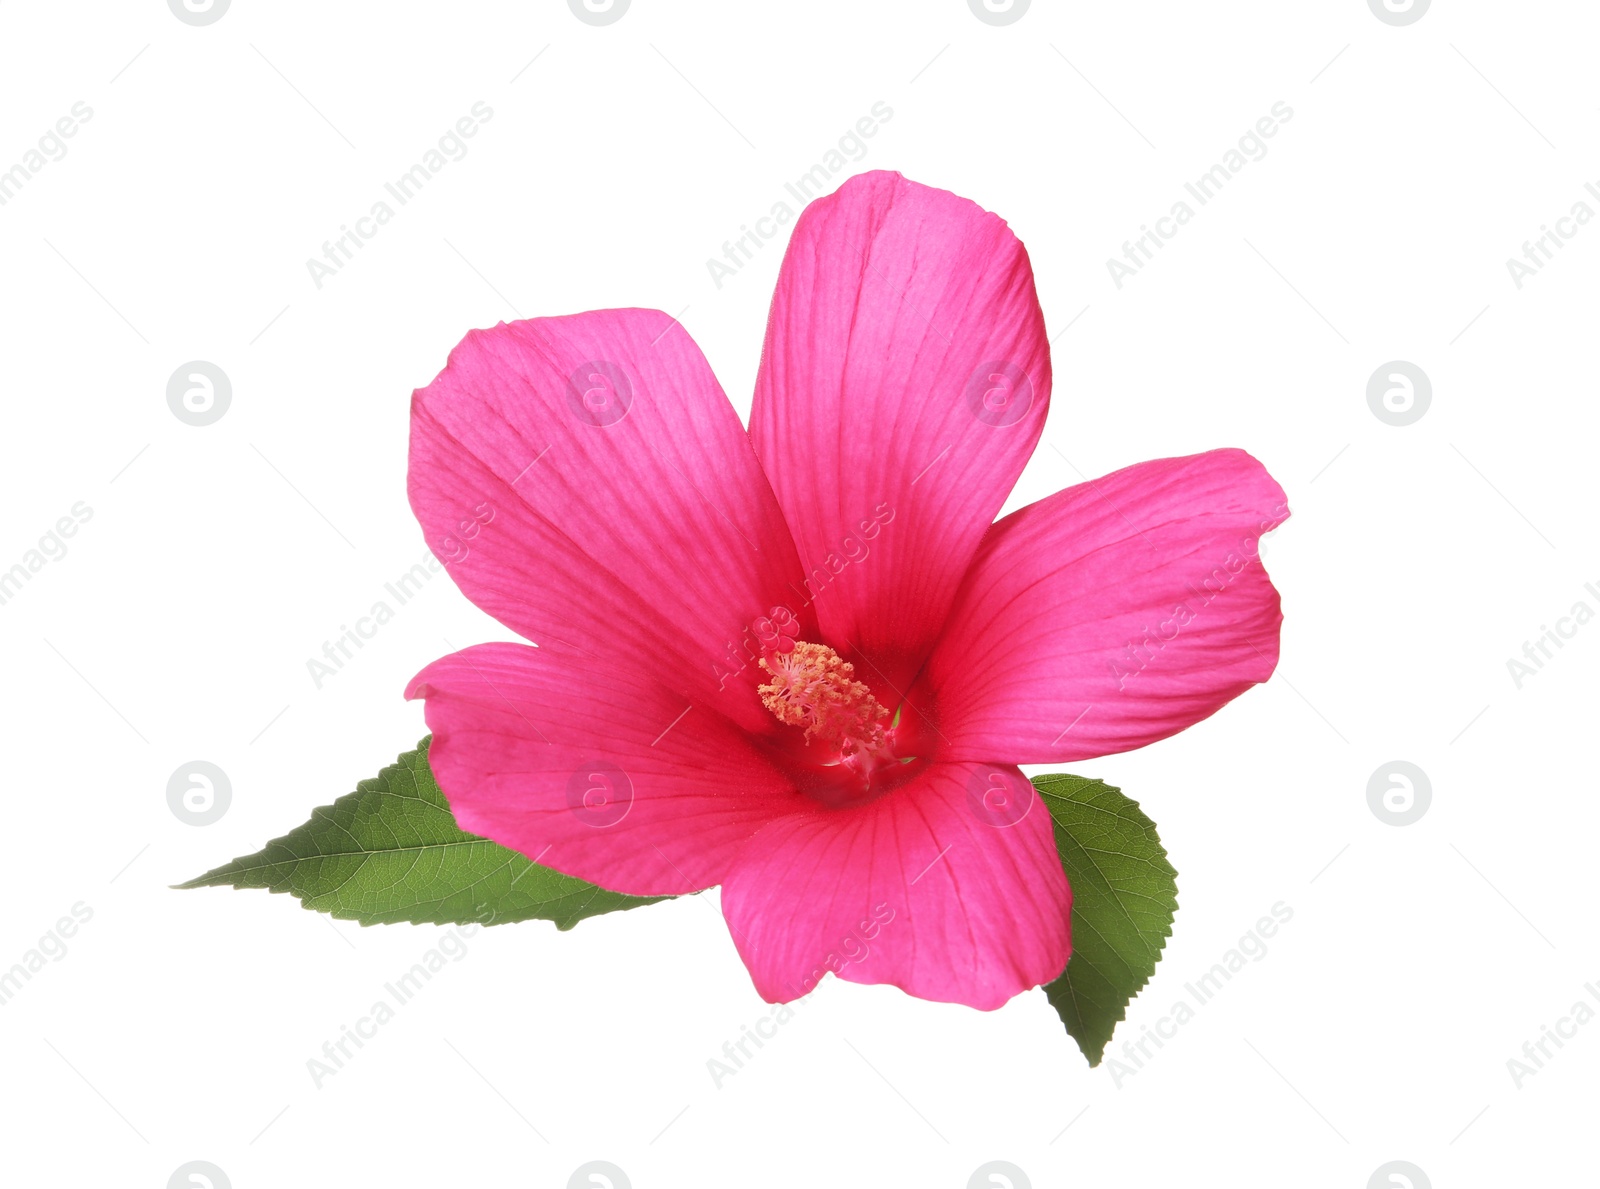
812,687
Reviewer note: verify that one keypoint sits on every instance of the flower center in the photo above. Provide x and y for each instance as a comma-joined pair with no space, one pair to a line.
852,750
812,687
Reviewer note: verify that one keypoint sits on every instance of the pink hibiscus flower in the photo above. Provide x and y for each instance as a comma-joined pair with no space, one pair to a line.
804,662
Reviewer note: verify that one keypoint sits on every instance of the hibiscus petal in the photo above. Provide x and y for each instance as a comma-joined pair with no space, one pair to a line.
1110,615
949,888
903,385
593,772
586,482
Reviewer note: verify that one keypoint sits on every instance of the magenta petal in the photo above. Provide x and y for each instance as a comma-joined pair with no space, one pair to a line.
586,482
937,888
1112,614
593,772
903,385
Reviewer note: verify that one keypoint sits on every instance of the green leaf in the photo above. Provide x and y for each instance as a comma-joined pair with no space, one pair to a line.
391,851
1124,894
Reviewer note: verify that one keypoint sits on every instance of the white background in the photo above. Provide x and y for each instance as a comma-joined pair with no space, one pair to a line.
219,559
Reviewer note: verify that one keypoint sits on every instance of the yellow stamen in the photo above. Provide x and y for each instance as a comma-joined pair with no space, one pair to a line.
813,687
